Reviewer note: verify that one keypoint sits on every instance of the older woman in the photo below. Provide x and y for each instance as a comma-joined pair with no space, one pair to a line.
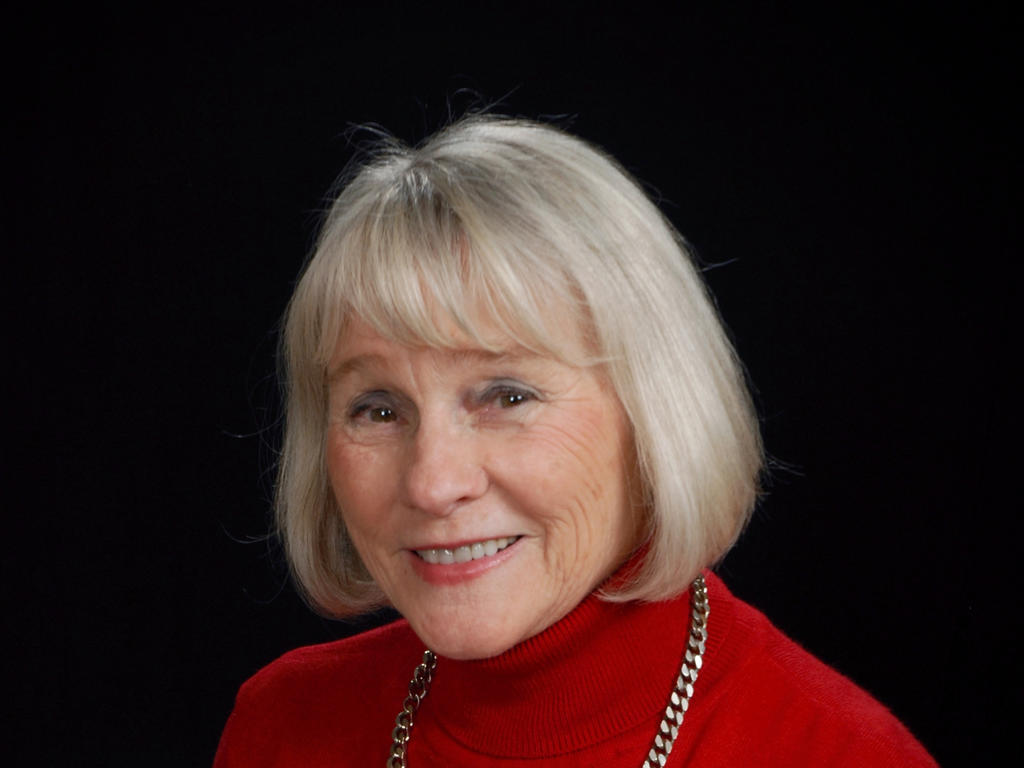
513,415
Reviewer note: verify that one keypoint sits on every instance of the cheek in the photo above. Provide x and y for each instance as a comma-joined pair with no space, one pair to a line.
361,478
576,475
361,482
586,457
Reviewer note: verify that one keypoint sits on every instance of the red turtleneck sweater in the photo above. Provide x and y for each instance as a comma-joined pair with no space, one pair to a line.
588,691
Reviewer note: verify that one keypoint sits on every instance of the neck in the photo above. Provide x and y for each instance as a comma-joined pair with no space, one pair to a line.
602,670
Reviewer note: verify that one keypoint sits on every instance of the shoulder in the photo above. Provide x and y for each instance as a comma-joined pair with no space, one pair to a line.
340,664
775,694
313,702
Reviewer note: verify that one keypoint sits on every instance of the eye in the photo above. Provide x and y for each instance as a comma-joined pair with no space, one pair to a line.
373,408
507,396
511,399
380,415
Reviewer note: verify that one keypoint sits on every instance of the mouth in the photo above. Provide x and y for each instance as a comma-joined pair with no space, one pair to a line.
467,552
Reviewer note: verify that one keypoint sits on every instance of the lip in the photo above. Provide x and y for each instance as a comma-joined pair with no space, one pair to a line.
454,573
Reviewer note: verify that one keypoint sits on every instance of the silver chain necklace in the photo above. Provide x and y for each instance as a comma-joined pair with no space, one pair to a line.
678,701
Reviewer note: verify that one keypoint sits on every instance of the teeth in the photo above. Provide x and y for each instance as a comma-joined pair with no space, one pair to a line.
466,553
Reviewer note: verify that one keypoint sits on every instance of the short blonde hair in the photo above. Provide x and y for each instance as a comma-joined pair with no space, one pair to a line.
510,217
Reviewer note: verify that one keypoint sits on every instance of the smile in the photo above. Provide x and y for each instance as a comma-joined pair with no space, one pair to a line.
465,553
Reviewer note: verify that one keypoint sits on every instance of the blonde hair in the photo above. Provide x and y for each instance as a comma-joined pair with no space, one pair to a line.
509,218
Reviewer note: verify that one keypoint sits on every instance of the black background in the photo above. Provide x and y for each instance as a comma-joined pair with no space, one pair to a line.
849,170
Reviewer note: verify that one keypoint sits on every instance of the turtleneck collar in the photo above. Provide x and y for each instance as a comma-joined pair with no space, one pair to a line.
603,669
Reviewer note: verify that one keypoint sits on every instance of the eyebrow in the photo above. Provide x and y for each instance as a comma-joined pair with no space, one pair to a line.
362,362
352,365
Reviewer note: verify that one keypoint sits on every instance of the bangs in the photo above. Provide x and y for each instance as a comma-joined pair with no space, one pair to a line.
420,272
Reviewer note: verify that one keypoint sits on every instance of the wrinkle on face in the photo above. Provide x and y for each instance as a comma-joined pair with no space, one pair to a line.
556,471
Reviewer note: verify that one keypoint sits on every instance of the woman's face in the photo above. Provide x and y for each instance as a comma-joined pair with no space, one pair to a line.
486,493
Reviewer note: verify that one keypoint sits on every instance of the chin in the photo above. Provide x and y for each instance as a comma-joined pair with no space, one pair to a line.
450,642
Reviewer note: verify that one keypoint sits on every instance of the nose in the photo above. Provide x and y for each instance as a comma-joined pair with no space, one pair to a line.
444,469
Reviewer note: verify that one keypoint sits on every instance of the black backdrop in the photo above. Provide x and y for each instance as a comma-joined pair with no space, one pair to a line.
848,170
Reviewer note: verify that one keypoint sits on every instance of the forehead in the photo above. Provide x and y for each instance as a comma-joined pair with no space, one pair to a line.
478,336
360,345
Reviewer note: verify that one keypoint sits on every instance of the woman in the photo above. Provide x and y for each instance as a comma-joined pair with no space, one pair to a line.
513,414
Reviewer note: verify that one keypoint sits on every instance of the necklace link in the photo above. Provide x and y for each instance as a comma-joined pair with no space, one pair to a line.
418,688
693,660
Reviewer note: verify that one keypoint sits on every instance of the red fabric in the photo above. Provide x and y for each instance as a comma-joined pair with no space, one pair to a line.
589,691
